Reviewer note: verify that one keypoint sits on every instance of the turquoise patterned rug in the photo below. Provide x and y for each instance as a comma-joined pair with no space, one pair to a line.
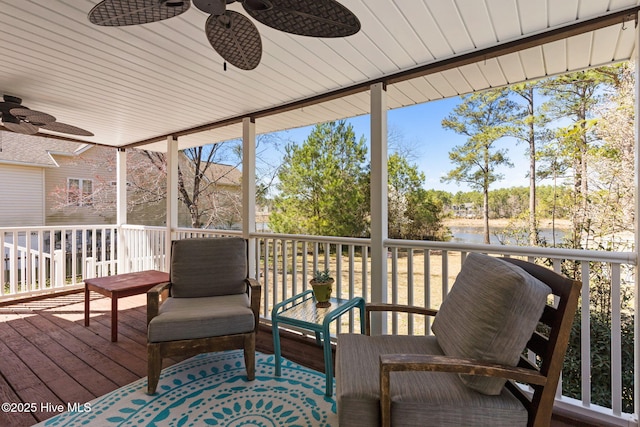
211,389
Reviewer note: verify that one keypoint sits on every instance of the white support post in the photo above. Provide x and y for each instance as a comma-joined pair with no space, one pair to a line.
379,202
121,207
636,336
172,196
249,188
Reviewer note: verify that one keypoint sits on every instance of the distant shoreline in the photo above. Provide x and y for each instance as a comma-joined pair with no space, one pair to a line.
560,224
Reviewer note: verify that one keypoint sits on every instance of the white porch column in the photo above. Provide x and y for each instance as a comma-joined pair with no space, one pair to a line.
121,208
249,188
379,201
636,335
172,196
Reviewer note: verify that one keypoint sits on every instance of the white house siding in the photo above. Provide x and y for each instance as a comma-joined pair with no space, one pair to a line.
21,196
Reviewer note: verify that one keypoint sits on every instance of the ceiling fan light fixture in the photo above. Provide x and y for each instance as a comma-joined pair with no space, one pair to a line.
170,3
224,20
212,7
258,5
8,118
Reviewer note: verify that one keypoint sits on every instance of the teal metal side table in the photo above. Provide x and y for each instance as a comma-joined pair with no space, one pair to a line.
301,311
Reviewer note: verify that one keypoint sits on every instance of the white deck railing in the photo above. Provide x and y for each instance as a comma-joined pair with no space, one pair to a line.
419,272
44,259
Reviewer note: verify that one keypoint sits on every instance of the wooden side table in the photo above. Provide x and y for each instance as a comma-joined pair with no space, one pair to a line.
300,310
120,286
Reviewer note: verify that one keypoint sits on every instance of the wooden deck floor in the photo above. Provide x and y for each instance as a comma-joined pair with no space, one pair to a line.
49,358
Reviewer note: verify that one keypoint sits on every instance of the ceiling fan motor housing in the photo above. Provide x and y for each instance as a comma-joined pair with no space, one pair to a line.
13,99
9,103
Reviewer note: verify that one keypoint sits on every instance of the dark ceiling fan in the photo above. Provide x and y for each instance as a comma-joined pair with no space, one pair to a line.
230,33
18,118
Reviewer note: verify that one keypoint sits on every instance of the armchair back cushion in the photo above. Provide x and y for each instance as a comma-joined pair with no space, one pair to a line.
489,314
208,267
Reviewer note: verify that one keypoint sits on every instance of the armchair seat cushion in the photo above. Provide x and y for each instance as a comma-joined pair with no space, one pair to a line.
193,318
418,398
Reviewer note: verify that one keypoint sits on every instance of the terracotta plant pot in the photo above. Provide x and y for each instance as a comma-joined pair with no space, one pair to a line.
322,292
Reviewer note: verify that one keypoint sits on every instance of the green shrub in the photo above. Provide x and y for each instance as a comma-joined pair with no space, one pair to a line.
600,361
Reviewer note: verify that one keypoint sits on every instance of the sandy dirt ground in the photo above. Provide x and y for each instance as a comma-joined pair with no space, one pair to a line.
563,224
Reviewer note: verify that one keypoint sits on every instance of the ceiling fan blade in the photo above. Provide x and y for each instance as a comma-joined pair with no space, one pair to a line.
115,13
317,18
32,116
65,128
235,38
21,127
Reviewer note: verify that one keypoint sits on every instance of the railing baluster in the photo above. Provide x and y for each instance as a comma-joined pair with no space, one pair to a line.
616,341
351,285
265,278
338,279
14,255
585,337
274,272
365,273
5,268
28,277
294,267
410,289
305,268
315,257
445,274
74,255
394,289
94,252
41,260
285,271
427,288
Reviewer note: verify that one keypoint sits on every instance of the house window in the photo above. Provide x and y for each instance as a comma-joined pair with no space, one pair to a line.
80,192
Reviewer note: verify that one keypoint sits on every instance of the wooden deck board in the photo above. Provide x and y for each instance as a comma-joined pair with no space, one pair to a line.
13,419
61,361
49,356
25,383
117,373
42,362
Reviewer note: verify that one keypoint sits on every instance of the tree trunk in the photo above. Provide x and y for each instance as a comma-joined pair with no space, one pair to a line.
533,228
485,213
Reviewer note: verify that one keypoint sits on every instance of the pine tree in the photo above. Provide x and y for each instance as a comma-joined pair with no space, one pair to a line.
484,118
323,184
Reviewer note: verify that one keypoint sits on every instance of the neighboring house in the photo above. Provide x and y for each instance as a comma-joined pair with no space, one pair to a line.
47,181
262,218
466,210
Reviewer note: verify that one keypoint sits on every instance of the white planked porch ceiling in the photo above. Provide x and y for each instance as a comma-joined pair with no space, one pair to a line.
139,84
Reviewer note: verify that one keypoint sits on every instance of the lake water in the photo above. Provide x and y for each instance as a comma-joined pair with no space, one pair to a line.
472,234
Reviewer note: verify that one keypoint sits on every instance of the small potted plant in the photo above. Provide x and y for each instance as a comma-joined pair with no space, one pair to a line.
322,284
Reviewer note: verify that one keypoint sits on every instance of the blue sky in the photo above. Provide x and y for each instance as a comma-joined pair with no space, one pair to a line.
420,127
